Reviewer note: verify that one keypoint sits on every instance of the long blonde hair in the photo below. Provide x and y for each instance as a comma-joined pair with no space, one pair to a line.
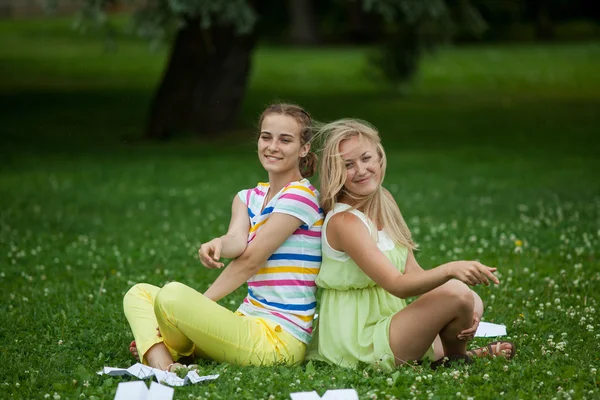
377,206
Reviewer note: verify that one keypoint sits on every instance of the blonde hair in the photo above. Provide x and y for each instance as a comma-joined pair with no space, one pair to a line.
377,206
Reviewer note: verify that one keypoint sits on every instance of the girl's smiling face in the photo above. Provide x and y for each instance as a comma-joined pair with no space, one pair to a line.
363,165
279,143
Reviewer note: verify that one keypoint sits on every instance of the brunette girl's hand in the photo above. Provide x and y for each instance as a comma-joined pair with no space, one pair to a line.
472,272
210,252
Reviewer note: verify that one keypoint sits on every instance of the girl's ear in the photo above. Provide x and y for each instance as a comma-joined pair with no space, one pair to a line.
304,150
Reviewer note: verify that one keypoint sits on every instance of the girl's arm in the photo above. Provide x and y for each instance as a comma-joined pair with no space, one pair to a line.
233,243
412,266
347,233
271,236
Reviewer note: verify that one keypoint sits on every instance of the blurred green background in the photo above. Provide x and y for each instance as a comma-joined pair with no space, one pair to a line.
492,142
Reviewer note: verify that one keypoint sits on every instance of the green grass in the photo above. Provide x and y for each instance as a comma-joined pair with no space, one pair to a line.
491,146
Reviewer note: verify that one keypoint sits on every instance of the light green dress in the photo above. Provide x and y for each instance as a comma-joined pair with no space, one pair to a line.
355,313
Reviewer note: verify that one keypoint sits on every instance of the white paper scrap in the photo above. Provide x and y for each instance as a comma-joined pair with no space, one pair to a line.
332,394
340,394
487,329
141,371
160,392
132,391
305,396
139,391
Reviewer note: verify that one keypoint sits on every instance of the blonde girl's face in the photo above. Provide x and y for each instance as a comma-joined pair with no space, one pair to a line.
279,143
363,167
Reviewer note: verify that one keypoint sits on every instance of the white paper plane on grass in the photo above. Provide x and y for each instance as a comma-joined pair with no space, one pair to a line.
332,394
142,371
139,391
487,329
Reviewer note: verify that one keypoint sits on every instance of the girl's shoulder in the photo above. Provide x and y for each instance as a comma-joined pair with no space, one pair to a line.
303,185
260,190
343,207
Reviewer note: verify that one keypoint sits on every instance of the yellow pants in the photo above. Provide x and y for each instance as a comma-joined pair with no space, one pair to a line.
192,324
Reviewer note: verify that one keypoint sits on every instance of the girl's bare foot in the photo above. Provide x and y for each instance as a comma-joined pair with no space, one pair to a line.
495,349
133,350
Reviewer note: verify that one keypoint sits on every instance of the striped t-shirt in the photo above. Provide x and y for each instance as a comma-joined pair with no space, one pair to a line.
284,289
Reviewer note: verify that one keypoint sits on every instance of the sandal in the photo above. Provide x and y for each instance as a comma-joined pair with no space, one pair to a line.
489,350
448,361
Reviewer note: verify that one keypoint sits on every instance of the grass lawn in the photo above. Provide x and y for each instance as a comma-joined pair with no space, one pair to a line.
493,155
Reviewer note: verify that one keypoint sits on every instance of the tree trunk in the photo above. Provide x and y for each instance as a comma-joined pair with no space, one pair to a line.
544,27
204,83
304,28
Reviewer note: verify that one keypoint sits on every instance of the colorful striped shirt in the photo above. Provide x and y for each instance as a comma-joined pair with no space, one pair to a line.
284,289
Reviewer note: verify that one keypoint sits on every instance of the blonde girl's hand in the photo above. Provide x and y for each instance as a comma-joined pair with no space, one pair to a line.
469,333
472,272
210,253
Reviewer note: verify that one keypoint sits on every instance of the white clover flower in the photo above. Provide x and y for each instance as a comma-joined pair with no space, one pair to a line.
590,328
56,396
60,342
390,381
593,371
486,377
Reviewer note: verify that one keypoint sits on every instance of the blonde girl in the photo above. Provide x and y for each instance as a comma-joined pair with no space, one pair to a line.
274,240
368,269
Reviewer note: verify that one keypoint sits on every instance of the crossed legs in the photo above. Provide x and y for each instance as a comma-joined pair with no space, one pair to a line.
438,317
192,324
443,312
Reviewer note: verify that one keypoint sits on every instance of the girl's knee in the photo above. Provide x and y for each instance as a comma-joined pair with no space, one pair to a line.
133,293
458,292
169,294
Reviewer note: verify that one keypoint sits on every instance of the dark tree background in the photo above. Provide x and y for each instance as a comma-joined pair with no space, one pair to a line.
212,41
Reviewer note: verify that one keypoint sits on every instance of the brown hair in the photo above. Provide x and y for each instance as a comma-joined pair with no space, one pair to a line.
308,163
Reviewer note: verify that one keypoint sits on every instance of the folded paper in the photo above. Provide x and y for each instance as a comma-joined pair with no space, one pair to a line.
332,394
487,329
139,391
142,371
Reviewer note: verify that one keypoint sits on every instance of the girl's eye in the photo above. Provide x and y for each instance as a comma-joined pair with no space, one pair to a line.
264,137
367,158
285,140
348,166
